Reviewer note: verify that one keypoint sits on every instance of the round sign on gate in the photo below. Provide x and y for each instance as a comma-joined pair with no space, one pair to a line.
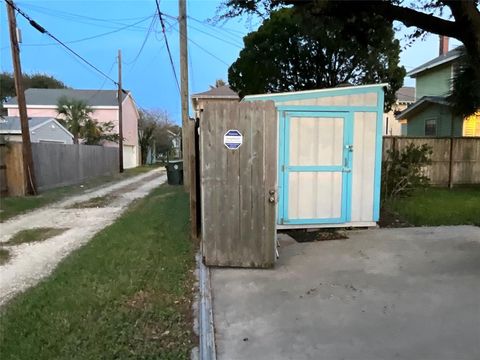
232,139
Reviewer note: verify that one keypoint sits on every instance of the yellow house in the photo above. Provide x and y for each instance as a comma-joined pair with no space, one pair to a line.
471,125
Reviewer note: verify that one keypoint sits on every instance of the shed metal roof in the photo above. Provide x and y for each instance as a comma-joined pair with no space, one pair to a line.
50,97
313,93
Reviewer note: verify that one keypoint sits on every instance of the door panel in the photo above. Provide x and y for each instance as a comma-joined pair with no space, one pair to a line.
238,186
314,142
315,195
316,167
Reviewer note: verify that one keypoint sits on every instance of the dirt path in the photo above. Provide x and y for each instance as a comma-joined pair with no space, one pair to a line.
30,262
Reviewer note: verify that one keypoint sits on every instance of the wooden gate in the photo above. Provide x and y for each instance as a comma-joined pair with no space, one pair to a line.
238,183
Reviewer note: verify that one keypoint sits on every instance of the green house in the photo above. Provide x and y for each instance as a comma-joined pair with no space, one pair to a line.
431,114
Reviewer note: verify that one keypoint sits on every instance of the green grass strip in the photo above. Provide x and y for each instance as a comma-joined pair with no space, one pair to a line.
127,294
98,201
33,235
4,257
440,206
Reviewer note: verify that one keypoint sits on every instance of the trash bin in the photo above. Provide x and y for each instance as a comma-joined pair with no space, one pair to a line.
175,172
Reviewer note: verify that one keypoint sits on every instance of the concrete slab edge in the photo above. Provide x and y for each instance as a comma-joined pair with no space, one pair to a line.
206,329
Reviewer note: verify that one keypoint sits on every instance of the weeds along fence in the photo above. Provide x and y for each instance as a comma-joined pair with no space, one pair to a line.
57,165
455,161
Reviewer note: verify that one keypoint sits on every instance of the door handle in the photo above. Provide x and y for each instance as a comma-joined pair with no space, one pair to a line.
271,199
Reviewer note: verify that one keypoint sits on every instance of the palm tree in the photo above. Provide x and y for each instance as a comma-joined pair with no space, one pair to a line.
75,115
218,83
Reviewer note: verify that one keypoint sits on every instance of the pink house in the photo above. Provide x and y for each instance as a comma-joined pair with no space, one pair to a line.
43,103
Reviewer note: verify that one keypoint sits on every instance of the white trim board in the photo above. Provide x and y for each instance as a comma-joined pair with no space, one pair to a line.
364,224
317,91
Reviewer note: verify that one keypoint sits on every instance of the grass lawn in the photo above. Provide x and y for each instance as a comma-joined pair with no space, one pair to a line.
127,294
12,206
440,206
4,257
32,235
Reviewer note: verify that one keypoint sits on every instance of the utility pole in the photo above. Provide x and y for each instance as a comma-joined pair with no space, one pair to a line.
28,171
188,127
120,114
186,133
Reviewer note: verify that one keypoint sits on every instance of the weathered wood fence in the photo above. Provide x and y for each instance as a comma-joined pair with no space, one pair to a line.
455,161
238,184
3,169
57,165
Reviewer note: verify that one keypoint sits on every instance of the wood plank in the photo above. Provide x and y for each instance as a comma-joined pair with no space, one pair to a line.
207,136
231,190
271,161
246,155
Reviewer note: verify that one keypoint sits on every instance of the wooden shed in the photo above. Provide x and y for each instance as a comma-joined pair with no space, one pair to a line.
329,156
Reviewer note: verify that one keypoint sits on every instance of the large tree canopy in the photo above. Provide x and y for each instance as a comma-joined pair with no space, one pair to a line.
41,81
292,52
453,18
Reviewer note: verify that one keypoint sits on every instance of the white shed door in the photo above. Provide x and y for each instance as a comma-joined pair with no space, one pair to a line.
316,157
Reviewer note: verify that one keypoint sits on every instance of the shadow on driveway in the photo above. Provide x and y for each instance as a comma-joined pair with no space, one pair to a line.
382,294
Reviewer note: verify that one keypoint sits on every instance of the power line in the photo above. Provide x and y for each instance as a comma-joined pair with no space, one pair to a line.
166,43
145,39
206,33
42,30
76,17
216,37
205,50
93,36
206,23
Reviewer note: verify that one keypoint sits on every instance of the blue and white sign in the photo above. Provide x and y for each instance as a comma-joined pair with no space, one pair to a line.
233,139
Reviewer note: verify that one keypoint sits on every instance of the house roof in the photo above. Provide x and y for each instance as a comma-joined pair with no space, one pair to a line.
405,94
50,97
11,124
221,92
439,60
421,104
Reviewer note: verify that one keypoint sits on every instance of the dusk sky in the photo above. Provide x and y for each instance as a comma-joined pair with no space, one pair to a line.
146,71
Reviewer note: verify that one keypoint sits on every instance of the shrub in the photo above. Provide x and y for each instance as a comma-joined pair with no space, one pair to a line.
402,170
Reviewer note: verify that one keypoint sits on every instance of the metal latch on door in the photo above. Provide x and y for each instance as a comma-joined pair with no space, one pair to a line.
346,168
271,199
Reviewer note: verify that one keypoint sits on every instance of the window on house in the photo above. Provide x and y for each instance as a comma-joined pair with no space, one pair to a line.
431,127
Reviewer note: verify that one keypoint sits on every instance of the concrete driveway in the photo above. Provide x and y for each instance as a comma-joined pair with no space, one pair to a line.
382,294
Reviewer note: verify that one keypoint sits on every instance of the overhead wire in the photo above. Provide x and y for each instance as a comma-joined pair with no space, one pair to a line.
78,18
145,39
230,41
93,36
42,30
205,50
157,2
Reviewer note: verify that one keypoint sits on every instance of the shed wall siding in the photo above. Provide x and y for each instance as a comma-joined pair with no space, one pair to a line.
367,99
363,169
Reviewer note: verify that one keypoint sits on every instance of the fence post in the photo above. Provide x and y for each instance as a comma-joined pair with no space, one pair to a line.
450,165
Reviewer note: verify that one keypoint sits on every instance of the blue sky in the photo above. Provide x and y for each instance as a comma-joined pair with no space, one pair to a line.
147,72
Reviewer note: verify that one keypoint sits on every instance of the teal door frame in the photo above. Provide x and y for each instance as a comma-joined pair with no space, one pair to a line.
284,168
